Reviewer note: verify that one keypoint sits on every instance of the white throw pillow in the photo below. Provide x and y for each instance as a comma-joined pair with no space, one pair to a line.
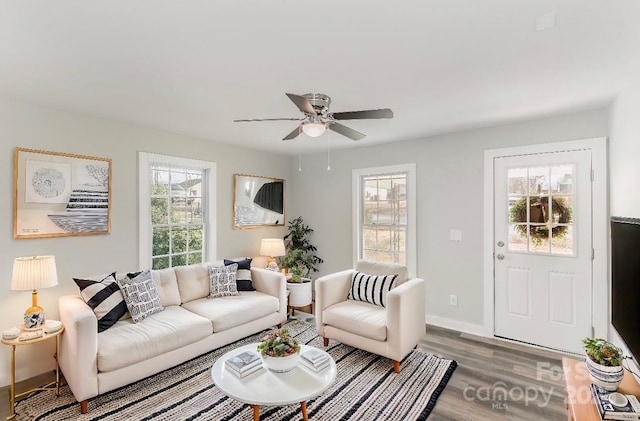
222,281
140,294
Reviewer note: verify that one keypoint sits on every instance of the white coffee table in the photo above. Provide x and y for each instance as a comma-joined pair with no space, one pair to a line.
265,387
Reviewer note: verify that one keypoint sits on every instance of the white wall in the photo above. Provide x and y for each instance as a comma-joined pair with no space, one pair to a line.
29,126
450,195
624,173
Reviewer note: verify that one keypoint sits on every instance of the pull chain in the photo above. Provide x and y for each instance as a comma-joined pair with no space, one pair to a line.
299,149
328,151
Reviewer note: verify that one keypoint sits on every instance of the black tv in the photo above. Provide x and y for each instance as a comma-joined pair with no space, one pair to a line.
625,281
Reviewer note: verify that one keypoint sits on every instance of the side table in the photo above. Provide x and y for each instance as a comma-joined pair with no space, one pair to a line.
13,343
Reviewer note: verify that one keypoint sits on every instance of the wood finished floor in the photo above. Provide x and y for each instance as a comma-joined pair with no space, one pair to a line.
488,369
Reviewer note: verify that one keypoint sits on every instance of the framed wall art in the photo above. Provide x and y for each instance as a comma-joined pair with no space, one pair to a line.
258,201
59,194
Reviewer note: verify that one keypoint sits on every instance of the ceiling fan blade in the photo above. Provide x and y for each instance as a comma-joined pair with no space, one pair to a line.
302,103
346,131
267,119
360,115
294,133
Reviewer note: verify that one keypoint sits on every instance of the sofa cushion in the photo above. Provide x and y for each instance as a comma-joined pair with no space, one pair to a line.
222,281
243,274
105,299
193,282
359,318
127,343
167,285
382,268
140,294
227,312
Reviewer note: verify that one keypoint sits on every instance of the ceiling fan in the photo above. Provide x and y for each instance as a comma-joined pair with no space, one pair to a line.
317,117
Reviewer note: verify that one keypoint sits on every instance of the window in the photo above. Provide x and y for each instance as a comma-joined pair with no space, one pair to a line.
177,211
384,217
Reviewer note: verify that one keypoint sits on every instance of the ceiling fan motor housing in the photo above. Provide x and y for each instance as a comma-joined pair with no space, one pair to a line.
319,102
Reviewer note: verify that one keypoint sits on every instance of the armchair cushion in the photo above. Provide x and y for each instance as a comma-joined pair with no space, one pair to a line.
359,318
371,288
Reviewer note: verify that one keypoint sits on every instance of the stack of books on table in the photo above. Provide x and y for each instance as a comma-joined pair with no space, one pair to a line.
629,410
314,359
244,364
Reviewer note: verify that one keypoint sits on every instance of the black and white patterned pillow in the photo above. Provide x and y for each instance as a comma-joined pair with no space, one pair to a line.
243,274
371,288
222,281
105,299
140,294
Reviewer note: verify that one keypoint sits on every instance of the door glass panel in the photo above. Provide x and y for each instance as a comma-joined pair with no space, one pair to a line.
541,209
518,242
562,179
517,179
538,180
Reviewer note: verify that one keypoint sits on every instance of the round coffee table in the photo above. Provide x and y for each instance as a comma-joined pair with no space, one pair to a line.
265,387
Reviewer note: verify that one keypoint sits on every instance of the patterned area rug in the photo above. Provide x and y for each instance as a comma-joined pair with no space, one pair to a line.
366,388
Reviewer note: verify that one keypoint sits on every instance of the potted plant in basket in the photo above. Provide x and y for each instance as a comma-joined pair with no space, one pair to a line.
279,350
604,363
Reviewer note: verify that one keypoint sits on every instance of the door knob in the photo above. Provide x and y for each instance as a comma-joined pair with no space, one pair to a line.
499,256
500,243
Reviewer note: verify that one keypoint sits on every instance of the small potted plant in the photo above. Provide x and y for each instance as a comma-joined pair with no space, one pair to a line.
604,363
279,350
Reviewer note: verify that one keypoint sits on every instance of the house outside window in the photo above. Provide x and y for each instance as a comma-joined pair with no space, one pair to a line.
177,211
384,217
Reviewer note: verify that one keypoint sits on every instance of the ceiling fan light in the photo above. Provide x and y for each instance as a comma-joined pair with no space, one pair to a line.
313,129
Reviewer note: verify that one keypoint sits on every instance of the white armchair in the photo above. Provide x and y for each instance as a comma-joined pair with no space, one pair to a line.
391,331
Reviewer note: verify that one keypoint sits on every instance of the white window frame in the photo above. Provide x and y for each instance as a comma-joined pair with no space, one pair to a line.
410,170
145,160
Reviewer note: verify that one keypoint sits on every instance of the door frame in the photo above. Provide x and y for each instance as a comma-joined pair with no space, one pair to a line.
599,228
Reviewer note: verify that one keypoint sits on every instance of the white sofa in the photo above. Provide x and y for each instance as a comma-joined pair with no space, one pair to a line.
190,325
391,331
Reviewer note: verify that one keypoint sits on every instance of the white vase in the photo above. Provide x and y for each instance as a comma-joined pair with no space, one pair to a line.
281,364
608,378
299,293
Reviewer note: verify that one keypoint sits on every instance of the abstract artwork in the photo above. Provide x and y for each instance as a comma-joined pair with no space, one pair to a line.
59,194
258,201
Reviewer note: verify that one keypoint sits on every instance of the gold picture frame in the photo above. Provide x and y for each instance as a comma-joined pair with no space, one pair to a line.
258,201
59,194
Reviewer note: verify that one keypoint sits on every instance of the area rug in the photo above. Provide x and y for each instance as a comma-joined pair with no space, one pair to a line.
366,388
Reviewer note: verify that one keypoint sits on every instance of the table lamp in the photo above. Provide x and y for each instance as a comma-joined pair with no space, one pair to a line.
31,274
272,248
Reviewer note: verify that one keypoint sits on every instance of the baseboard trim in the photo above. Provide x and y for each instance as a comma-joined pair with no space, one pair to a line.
465,327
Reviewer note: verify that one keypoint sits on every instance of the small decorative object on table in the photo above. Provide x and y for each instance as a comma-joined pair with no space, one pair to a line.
614,405
604,363
280,352
315,360
244,364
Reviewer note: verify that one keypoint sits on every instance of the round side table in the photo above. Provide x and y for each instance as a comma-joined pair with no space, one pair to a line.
13,343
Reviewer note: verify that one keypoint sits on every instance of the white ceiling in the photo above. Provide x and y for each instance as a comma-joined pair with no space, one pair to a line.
191,67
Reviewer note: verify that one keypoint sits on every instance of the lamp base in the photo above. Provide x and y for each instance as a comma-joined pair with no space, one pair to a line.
33,318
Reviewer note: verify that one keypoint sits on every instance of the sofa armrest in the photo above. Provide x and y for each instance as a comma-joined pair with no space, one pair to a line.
331,289
78,356
274,284
405,317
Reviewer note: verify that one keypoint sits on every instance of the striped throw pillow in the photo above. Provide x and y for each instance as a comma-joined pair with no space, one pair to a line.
243,274
371,288
105,299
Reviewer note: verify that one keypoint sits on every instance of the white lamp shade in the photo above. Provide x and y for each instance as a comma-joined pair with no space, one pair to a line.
32,273
272,247
313,129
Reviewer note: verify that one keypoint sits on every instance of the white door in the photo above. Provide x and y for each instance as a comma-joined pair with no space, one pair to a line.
543,248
